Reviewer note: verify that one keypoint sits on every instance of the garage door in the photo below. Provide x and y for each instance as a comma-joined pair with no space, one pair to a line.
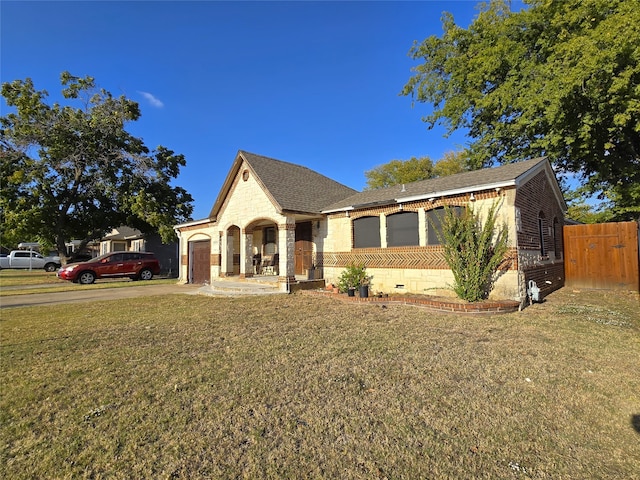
200,261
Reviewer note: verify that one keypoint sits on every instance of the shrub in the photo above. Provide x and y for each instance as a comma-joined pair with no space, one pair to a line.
352,277
473,251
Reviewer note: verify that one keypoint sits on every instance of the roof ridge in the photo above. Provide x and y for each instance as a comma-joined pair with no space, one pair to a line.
244,152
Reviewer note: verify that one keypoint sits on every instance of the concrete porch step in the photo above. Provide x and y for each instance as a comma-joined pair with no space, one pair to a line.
230,287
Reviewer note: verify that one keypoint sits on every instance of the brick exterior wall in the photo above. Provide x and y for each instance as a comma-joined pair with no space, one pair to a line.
536,199
394,266
422,268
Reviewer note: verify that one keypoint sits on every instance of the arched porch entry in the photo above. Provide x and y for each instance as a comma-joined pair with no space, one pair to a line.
262,247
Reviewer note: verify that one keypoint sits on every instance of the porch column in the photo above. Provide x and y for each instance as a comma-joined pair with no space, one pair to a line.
422,227
286,248
383,230
223,253
216,262
246,253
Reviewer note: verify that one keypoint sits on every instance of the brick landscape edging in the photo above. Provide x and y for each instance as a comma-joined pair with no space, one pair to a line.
491,306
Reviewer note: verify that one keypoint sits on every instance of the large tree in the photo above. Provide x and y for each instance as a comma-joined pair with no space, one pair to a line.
560,78
74,172
397,172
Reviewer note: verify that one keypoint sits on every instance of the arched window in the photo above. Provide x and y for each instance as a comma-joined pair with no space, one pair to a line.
366,232
402,229
557,238
435,218
543,250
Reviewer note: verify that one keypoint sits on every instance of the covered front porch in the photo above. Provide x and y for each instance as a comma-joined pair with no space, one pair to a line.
265,249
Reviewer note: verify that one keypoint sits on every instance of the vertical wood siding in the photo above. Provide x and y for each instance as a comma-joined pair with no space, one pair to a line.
602,256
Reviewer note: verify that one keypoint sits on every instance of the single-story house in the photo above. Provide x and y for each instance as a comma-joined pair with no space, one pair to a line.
126,239
277,218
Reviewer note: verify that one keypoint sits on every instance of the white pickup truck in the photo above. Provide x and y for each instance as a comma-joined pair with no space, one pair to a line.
29,259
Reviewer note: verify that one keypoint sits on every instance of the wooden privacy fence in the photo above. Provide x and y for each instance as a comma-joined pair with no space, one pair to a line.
602,255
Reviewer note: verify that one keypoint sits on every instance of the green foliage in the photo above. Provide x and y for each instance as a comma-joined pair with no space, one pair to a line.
406,171
583,212
473,250
353,277
559,78
452,163
399,171
74,172
616,204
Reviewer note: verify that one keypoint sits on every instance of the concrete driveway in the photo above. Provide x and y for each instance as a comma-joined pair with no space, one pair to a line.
11,301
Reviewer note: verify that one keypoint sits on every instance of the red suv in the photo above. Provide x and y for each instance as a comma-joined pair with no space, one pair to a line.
135,265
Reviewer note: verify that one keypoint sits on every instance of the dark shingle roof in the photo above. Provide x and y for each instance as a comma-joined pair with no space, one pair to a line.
466,181
292,187
295,188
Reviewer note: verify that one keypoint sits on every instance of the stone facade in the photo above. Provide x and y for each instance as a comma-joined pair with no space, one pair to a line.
249,218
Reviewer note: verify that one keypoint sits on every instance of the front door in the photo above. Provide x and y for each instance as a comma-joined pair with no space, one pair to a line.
200,262
303,248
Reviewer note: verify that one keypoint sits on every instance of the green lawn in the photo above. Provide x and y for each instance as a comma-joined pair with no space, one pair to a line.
302,386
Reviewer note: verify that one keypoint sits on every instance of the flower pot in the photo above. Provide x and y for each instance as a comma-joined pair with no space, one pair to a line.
351,292
364,291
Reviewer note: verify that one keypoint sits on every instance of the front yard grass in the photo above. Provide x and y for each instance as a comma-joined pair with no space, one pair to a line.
301,386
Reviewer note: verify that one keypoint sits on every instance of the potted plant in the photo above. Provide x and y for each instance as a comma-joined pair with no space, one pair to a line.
354,276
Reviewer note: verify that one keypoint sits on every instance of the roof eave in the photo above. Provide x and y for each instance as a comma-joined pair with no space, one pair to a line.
456,191
336,210
192,223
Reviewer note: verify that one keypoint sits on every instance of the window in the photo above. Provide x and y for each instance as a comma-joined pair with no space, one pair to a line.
557,235
269,235
543,250
366,232
118,257
402,229
435,218
137,245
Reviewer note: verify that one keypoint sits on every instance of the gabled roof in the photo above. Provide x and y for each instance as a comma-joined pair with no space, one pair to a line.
123,233
513,174
291,187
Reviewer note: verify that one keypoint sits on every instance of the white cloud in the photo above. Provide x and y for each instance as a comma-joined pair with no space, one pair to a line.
153,101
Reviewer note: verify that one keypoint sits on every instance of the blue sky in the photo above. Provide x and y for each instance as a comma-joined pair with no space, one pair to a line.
312,83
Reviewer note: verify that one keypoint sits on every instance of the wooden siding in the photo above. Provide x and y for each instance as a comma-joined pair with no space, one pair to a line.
602,256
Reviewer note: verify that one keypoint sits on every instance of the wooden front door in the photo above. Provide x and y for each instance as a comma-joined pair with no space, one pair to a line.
303,248
200,262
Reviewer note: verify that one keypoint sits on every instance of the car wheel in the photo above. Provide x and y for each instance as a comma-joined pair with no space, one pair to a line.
50,267
87,278
145,274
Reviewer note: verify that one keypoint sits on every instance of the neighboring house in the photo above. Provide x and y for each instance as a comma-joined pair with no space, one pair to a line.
91,249
277,218
130,239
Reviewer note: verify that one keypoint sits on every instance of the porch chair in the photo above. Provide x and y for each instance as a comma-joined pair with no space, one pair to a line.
270,264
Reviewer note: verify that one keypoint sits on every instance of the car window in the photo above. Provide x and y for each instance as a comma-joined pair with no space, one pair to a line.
117,257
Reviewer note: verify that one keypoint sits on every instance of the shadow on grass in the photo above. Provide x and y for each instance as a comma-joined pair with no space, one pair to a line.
635,422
